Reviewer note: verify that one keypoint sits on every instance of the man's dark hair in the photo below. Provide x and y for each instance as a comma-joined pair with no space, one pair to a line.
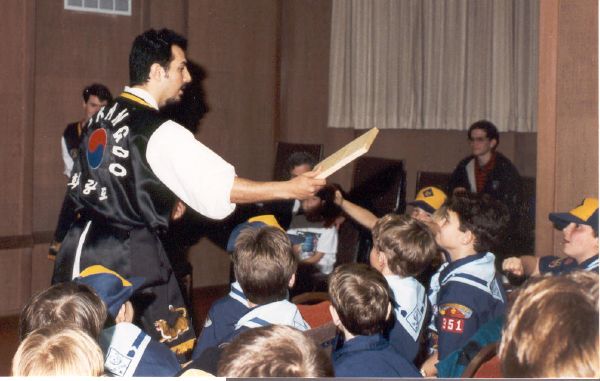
480,214
299,158
152,47
98,90
490,130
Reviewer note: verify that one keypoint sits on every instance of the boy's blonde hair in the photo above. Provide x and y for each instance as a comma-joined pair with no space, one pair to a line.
408,244
361,297
58,351
274,351
263,263
552,328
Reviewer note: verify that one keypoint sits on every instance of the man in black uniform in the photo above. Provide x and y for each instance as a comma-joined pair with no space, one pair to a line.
94,96
132,166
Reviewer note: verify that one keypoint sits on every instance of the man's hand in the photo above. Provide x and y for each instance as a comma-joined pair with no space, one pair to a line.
53,250
513,265
306,185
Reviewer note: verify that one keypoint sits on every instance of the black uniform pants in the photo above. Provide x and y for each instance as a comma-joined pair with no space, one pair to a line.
159,305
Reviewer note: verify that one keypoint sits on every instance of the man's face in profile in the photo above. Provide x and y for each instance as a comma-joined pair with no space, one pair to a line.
92,106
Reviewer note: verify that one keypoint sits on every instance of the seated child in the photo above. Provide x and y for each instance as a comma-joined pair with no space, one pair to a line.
58,350
428,200
551,330
361,309
225,312
274,351
317,226
128,350
580,238
64,303
402,248
265,267
466,292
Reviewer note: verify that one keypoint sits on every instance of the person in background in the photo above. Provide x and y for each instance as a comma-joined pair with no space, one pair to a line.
95,96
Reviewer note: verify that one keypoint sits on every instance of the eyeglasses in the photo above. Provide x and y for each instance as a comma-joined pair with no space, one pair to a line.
479,139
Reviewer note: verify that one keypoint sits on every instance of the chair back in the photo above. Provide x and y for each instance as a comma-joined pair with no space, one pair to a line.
432,179
283,152
480,362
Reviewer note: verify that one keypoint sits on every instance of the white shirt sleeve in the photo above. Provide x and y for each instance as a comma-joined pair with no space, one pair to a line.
66,156
197,175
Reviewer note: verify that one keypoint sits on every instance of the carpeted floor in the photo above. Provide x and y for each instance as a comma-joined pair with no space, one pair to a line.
9,325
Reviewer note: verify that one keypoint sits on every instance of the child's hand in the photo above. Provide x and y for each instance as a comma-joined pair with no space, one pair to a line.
339,199
514,266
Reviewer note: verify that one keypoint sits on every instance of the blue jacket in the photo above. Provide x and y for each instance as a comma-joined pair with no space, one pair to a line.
556,265
221,320
130,352
371,356
470,294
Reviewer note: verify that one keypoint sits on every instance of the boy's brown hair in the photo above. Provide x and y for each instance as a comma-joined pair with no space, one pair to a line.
58,351
263,263
485,217
361,297
552,328
274,351
64,303
408,244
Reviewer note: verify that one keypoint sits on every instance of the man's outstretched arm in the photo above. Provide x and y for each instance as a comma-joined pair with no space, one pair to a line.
299,188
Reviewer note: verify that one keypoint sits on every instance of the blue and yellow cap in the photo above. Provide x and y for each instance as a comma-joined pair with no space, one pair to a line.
429,199
258,222
112,288
586,214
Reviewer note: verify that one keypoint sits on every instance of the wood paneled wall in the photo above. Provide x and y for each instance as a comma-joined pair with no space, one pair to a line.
266,65
568,113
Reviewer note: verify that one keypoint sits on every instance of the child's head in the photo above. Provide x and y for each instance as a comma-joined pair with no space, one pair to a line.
428,200
470,219
322,205
360,299
58,351
264,264
64,303
255,223
580,229
274,351
552,328
114,290
402,245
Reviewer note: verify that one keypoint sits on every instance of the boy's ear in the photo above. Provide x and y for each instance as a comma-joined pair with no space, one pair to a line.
468,237
292,281
382,259
389,311
334,316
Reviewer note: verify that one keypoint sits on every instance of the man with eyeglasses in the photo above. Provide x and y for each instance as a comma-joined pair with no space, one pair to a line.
488,171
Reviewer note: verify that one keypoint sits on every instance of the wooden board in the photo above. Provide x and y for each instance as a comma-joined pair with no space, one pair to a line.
346,154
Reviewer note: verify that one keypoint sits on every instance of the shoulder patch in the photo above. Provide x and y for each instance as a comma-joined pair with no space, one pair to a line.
455,310
453,316
207,322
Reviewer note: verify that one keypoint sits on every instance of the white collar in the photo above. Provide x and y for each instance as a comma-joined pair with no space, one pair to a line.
139,92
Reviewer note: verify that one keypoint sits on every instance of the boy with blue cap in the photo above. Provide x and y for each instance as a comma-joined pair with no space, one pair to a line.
128,351
580,238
